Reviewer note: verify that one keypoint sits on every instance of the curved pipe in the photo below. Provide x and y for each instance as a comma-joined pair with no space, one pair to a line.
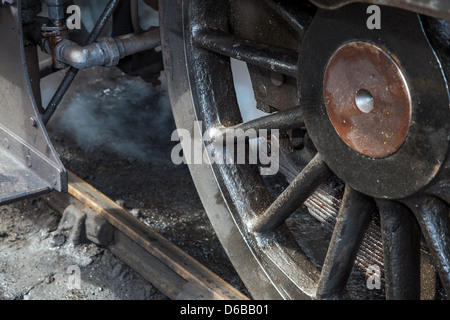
107,51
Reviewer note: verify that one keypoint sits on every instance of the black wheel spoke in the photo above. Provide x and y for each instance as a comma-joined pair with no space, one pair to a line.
433,215
401,250
281,120
351,225
314,174
276,59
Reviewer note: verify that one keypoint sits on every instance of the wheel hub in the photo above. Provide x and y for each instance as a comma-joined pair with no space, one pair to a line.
367,99
375,102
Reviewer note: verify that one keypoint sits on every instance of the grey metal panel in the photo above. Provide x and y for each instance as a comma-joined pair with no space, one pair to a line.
28,162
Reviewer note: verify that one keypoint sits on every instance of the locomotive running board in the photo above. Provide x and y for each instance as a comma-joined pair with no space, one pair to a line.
29,165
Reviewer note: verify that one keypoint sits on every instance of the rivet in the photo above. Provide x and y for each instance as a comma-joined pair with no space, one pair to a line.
28,160
34,122
278,79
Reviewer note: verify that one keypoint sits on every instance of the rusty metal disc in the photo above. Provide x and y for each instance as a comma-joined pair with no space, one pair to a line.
367,99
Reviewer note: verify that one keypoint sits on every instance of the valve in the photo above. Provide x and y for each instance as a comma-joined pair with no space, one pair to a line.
56,30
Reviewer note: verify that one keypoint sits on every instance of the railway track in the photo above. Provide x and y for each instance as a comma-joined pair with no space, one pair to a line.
156,259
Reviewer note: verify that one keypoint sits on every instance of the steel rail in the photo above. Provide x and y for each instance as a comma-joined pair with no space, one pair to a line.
156,259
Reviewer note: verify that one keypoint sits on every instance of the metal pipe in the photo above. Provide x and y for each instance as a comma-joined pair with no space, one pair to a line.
71,74
145,41
107,51
56,9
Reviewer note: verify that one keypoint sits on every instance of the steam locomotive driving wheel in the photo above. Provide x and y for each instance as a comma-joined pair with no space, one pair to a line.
373,110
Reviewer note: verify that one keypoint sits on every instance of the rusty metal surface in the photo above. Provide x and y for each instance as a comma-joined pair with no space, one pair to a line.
54,35
422,154
363,67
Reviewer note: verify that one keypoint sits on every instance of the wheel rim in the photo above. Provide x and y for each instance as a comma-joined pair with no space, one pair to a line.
261,221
